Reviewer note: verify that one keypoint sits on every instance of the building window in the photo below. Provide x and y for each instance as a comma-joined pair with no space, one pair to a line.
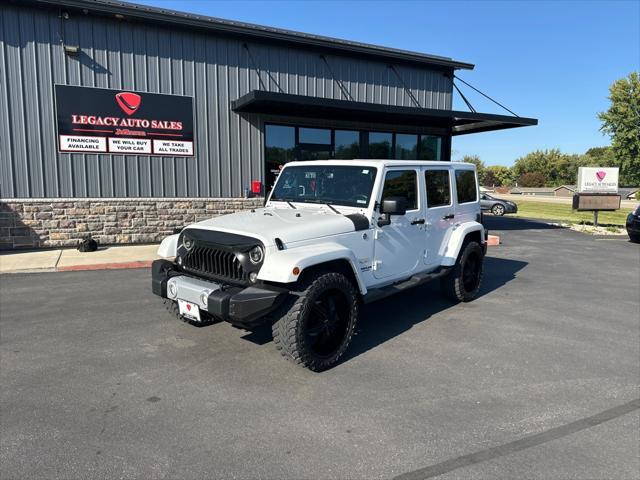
316,136
347,144
380,145
438,189
285,143
406,146
280,142
430,147
314,144
402,183
466,186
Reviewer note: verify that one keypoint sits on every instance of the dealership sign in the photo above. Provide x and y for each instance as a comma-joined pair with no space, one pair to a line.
597,180
99,120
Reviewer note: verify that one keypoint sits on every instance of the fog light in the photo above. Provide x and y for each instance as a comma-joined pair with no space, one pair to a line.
204,299
171,290
253,276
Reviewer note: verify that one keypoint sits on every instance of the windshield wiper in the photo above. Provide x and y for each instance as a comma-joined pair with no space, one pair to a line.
291,204
331,207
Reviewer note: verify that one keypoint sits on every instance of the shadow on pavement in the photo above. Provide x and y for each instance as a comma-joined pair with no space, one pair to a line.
515,223
383,320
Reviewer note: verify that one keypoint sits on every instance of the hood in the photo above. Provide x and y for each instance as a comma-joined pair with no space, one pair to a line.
289,225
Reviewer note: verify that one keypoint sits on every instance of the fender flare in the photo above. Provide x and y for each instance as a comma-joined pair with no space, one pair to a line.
279,264
169,246
457,239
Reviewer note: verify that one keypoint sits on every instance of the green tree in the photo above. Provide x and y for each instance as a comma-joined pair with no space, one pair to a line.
622,123
498,175
475,159
532,179
554,166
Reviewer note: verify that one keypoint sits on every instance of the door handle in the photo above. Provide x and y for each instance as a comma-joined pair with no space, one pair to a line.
418,222
448,217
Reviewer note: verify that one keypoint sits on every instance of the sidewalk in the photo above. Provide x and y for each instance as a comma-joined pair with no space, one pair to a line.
60,260
105,258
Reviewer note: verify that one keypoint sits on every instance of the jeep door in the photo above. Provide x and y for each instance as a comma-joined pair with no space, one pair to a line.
440,213
399,247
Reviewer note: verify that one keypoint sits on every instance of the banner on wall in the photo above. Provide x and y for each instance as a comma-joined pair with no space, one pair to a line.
122,122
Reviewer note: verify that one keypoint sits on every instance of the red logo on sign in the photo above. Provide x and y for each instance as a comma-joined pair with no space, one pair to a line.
601,174
129,102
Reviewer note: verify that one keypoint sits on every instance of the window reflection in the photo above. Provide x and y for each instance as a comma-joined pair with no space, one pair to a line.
280,142
430,147
406,146
347,144
380,144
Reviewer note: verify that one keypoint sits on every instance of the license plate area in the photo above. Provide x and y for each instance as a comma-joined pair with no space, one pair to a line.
189,310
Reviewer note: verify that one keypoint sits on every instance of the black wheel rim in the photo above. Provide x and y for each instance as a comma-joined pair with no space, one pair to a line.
471,273
327,323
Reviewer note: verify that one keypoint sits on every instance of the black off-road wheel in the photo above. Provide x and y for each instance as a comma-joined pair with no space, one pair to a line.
462,284
497,210
172,308
315,328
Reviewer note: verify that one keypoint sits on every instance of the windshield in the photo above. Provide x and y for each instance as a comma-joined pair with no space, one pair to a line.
332,184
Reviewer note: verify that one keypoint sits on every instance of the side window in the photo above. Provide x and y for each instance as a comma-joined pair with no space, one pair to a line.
402,183
466,186
438,190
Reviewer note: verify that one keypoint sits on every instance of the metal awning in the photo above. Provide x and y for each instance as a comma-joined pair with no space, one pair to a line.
458,123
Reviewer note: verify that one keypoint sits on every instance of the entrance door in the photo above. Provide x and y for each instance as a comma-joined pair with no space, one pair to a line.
439,212
399,247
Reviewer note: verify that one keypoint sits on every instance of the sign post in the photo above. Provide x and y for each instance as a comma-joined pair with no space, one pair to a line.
597,190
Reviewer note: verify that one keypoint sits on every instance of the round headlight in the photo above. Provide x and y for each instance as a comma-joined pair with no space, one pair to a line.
187,242
256,254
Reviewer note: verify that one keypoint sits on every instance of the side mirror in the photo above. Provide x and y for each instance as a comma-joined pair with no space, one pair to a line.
392,206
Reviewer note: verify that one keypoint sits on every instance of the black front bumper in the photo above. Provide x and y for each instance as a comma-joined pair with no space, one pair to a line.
241,306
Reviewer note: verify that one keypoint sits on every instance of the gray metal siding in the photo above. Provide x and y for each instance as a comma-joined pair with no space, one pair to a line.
214,70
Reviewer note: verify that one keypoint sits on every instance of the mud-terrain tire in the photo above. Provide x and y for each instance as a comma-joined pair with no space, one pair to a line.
462,284
315,327
498,210
172,308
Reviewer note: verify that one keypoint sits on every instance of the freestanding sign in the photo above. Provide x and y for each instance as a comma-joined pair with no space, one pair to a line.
100,120
597,190
598,179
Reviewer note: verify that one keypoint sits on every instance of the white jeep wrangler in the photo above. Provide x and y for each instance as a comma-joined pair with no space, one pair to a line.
332,235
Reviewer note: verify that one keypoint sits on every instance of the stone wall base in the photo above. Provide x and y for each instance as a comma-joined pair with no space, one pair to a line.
33,223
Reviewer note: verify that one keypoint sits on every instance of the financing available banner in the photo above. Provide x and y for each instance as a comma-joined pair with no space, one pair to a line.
122,122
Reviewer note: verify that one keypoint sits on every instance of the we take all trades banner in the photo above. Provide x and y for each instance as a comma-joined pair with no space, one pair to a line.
122,122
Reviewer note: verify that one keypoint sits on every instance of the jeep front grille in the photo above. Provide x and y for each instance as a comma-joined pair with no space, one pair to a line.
214,263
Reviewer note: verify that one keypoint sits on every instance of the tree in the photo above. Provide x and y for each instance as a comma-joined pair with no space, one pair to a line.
498,175
475,159
532,179
622,123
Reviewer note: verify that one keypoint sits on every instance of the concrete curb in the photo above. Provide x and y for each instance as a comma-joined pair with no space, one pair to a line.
105,266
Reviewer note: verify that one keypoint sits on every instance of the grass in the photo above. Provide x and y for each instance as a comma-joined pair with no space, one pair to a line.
563,213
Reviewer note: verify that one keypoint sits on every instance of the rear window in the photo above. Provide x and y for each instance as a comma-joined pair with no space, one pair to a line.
438,193
466,186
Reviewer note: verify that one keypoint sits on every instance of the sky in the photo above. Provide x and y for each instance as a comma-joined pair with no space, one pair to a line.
550,60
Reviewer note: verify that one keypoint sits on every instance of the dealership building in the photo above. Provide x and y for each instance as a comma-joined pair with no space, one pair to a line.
126,122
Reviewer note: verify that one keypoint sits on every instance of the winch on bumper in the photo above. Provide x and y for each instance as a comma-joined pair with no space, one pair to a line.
241,306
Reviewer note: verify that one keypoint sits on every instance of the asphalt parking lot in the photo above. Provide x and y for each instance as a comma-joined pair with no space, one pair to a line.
538,378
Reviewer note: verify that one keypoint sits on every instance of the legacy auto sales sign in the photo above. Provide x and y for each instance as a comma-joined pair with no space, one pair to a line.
598,180
99,120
